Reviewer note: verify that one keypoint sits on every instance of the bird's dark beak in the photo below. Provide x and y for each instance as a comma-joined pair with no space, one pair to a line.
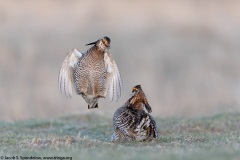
93,43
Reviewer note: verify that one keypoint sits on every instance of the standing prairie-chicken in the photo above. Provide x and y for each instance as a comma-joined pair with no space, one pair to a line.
91,74
131,122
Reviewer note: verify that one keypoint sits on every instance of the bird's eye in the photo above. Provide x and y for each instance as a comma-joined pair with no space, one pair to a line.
104,41
134,89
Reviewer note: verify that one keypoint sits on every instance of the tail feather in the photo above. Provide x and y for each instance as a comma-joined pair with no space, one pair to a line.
91,101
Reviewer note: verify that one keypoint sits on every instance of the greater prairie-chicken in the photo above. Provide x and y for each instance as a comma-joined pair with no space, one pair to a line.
91,74
131,122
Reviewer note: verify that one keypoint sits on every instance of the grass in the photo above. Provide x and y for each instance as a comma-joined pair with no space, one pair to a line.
88,137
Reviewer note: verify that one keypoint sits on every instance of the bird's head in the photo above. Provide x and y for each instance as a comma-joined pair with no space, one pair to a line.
139,96
136,89
103,43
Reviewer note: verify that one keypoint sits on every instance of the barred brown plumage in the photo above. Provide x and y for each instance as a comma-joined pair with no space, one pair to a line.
91,74
131,122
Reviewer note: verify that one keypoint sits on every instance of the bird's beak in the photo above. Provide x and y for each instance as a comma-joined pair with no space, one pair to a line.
93,43
134,89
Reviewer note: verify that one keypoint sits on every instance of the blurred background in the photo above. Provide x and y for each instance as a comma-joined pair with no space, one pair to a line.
184,53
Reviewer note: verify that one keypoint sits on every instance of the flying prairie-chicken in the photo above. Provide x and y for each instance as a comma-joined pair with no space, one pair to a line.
91,74
131,122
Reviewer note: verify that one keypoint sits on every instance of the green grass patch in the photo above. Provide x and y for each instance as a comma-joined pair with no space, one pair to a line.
88,137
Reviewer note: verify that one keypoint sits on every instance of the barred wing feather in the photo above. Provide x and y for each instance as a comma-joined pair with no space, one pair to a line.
114,81
65,78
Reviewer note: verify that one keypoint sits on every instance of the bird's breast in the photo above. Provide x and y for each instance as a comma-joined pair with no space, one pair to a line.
93,62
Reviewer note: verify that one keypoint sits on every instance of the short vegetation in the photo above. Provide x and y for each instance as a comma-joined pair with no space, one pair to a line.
89,137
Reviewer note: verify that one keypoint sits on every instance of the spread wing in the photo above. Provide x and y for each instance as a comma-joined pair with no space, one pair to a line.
65,78
123,122
114,81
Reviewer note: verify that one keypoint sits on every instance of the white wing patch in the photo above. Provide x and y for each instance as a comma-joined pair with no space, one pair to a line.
114,81
65,78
